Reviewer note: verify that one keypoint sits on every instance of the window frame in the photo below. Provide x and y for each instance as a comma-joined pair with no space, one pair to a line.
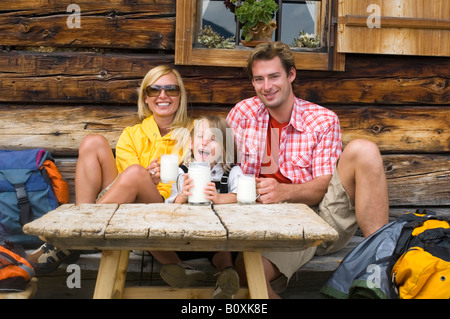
186,54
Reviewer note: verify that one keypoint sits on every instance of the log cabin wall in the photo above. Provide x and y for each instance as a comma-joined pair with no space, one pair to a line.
58,84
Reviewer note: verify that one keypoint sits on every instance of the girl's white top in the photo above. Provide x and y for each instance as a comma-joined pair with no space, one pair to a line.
216,175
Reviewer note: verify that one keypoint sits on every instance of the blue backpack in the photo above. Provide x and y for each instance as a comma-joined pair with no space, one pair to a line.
26,193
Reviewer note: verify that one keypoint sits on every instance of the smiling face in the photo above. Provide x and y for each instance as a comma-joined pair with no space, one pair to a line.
272,84
206,143
163,105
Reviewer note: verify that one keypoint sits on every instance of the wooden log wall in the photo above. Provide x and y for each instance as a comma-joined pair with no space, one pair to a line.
59,84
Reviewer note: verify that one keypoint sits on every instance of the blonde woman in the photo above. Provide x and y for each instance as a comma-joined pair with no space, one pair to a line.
134,175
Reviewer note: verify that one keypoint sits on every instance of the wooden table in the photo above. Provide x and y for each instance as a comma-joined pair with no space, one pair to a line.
117,229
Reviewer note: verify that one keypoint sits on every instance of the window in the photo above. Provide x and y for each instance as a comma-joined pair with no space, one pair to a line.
293,16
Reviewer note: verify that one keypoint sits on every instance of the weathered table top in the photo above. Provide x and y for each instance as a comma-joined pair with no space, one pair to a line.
232,227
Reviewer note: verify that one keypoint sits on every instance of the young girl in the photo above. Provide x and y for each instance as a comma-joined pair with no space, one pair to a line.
208,144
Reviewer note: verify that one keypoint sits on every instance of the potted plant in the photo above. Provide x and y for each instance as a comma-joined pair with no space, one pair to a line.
256,18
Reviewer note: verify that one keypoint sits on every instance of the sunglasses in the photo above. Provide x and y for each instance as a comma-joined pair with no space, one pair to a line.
155,90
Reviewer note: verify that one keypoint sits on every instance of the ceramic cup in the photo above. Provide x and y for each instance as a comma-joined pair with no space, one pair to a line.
200,173
246,189
169,168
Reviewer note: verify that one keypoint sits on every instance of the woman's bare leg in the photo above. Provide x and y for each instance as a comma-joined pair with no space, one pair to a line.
134,185
96,168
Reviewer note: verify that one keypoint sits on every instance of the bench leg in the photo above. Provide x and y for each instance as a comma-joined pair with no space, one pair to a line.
111,274
255,275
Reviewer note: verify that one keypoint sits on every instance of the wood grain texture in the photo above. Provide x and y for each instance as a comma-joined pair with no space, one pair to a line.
282,221
102,24
413,179
405,27
113,78
61,129
181,227
71,221
171,221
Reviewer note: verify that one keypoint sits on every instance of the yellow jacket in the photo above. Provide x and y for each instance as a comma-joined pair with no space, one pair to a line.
142,143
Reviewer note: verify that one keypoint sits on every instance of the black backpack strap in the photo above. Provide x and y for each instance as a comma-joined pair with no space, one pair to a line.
223,186
184,168
24,203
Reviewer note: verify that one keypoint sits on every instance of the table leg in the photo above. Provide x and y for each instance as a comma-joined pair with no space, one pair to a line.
255,275
111,274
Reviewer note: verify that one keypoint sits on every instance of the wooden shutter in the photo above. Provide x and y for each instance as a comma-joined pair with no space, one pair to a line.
410,27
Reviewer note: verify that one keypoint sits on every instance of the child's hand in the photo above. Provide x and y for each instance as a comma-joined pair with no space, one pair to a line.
154,169
211,193
182,197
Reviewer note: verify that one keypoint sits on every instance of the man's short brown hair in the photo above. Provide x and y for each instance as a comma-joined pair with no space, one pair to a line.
268,51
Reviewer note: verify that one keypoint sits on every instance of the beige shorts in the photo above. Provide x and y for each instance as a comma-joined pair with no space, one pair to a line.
103,192
337,209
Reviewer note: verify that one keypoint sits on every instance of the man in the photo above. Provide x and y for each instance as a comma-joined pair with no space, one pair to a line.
294,146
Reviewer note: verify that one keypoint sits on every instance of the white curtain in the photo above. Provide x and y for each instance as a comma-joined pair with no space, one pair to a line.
312,8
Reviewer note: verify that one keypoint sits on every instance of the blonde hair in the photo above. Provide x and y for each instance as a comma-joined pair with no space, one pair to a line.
181,118
181,121
229,155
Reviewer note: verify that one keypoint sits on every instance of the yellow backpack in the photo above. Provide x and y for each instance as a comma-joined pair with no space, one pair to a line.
423,269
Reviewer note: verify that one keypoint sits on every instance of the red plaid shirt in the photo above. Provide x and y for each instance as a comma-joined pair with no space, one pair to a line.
309,145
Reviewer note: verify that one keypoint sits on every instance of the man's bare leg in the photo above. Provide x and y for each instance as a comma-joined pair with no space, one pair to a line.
361,171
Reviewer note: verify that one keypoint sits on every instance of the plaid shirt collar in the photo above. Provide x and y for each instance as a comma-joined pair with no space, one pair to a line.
296,120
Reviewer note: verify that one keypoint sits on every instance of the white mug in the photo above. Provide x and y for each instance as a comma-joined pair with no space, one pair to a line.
246,189
169,168
200,172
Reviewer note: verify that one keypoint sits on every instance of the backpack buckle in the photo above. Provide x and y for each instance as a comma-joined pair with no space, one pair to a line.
21,192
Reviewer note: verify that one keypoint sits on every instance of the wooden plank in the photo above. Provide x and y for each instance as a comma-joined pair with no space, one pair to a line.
176,227
74,77
256,279
121,274
413,180
185,31
238,58
298,222
163,292
404,27
437,9
418,180
169,221
111,79
107,272
398,129
395,22
106,24
35,7
61,129
86,220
